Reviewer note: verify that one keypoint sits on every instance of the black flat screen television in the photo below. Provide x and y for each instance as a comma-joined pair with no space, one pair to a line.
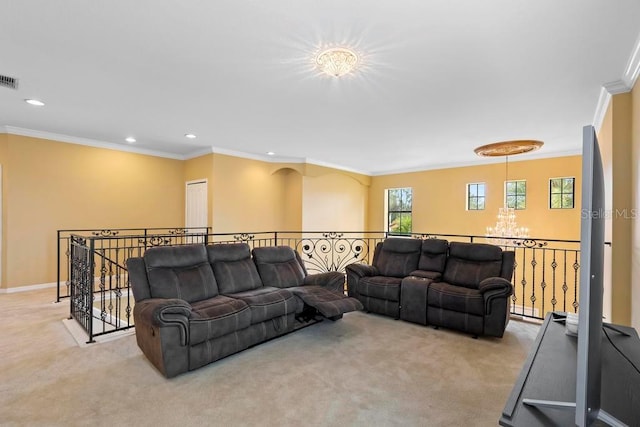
590,324
588,375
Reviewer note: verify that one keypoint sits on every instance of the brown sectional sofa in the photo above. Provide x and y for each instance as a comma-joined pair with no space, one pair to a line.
196,304
462,286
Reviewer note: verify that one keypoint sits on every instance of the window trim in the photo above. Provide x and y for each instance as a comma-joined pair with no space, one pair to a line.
506,194
467,197
387,212
562,193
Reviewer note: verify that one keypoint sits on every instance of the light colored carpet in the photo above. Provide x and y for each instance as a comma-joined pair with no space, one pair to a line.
363,370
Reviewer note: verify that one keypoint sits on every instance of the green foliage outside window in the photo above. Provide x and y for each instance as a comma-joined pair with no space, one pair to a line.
516,194
400,205
561,193
475,197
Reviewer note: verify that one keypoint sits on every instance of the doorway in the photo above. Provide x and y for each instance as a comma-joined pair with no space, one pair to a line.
196,210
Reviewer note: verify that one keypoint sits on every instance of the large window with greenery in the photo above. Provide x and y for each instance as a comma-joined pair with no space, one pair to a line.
475,196
399,208
561,192
516,194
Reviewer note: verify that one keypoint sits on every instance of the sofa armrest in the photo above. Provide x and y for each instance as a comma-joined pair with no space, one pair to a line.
496,293
332,280
495,283
160,313
362,270
355,272
424,274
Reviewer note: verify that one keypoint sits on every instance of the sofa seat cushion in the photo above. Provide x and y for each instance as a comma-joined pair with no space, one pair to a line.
381,287
328,303
455,298
217,316
267,303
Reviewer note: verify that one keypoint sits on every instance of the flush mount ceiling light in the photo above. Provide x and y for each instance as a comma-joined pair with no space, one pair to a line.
337,61
189,135
130,139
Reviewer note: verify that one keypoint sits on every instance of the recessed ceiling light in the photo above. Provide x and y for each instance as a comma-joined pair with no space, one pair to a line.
270,153
34,102
189,135
130,139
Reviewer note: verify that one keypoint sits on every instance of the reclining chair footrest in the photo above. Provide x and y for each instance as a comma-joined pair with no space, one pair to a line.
329,304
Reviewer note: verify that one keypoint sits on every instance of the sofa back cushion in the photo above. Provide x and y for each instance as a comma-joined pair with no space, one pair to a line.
470,263
180,272
233,267
397,257
434,255
279,266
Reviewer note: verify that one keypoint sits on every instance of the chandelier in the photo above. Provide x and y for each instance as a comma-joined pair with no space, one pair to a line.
337,61
506,228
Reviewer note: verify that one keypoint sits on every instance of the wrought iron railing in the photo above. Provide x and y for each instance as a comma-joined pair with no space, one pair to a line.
127,237
96,281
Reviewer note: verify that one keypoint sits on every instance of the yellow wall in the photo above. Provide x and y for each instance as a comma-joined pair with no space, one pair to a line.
616,145
635,204
244,195
334,202
51,185
4,146
440,206
247,196
292,199
251,195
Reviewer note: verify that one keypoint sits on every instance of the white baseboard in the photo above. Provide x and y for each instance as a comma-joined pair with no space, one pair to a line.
28,288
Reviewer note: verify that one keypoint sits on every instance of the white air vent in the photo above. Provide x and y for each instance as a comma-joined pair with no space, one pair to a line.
10,82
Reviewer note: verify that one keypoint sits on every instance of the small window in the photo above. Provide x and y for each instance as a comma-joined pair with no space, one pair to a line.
475,196
561,193
516,194
399,207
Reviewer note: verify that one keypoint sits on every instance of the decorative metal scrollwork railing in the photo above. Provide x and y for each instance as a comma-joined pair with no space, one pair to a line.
96,281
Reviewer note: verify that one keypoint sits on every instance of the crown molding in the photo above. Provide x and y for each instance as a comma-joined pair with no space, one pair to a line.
197,153
633,66
486,161
616,87
270,159
339,167
13,130
89,142
601,108
624,85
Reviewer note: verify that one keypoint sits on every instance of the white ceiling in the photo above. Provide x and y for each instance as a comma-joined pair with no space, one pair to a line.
439,77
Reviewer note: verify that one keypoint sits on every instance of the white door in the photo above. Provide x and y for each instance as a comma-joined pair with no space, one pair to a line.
196,211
